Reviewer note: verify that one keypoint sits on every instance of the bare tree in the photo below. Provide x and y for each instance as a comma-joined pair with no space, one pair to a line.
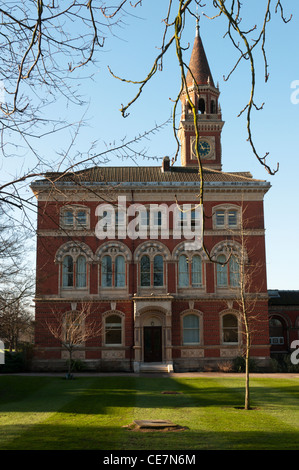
246,292
16,321
73,329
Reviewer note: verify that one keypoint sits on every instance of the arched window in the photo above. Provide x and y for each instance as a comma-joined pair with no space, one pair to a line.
191,329
228,271
73,259
106,271
113,330
113,259
150,258
276,331
158,270
74,274
201,105
230,329
190,271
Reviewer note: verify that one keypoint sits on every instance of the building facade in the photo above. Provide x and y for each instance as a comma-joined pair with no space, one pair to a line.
126,243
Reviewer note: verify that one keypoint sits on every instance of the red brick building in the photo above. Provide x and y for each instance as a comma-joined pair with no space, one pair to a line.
158,297
283,320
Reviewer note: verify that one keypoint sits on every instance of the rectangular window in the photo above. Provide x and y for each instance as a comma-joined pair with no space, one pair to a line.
157,219
68,218
220,218
232,218
145,218
81,219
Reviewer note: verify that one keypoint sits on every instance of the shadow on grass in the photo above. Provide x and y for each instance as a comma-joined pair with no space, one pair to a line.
89,413
65,437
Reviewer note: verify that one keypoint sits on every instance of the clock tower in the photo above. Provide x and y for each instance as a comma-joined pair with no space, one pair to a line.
205,97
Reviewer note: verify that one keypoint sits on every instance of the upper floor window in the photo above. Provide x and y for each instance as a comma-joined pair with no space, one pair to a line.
113,271
75,217
226,217
74,272
151,271
190,271
228,271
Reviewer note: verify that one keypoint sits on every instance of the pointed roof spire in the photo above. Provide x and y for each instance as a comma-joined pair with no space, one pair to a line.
199,63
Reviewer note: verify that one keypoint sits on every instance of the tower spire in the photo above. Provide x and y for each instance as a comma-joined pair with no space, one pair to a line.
199,65
197,26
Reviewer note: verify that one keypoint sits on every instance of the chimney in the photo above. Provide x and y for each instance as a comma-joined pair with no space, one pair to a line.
165,164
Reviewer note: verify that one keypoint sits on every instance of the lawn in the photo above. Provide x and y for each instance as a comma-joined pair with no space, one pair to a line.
51,413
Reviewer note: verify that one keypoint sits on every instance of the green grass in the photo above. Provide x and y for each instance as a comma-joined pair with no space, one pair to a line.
51,413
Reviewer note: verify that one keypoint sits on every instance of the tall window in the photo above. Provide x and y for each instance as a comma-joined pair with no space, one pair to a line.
106,271
74,273
113,271
68,271
113,330
120,271
158,270
145,271
191,329
229,329
81,271
190,271
151,271
228,272
183,271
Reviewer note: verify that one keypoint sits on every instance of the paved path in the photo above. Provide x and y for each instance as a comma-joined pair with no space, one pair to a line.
149,374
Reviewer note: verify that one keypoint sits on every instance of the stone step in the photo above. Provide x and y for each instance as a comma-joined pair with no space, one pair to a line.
156,367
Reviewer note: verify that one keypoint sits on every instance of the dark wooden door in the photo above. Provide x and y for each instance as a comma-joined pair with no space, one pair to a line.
152,344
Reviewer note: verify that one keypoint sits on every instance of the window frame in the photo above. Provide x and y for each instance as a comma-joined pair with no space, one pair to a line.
120,326
235,315
113,271
225,211
74,209
198,328
190,272
224,269
73,273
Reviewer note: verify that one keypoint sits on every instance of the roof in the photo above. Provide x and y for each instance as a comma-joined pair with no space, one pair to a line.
199,65
283,297
148,175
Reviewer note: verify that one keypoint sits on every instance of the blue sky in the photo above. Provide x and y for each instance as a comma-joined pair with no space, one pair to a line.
130,54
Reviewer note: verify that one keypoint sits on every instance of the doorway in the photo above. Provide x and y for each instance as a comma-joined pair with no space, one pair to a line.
152,343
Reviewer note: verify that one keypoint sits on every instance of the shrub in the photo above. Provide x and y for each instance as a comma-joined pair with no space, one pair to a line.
239,364
14,362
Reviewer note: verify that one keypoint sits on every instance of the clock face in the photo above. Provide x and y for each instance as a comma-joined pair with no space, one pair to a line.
204,148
